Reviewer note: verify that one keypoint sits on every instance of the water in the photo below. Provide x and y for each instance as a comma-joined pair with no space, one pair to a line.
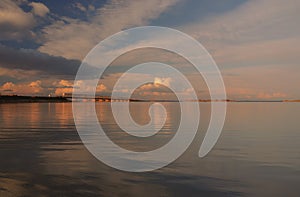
256,155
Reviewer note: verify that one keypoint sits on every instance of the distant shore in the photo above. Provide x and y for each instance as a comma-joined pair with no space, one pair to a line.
32,99
60,99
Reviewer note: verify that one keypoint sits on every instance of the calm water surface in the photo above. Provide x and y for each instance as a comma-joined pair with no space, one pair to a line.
258,153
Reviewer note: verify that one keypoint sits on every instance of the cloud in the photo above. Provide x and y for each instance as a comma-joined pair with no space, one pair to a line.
39,87
31,60
65,86
14,22
17,24
254,31
39,9
16,73
73,38
34,87
101,88
80,7
256,46
151,91
153,87
62,87
162,81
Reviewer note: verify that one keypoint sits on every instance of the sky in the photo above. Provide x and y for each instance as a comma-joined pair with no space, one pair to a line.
255,43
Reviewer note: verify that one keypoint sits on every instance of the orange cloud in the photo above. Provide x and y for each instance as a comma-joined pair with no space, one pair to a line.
65,83
62,91
101,88
64,86
34,87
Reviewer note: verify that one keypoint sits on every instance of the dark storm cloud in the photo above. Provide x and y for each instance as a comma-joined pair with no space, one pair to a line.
28,59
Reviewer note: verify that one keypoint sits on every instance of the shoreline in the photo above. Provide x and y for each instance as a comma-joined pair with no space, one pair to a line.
32,99
60,99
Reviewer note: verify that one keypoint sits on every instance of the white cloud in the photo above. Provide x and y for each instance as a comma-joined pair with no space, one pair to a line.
163,81
72,38
39,9
12,15
14,22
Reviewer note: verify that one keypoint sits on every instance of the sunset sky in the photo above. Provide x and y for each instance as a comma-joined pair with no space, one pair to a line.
255,43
